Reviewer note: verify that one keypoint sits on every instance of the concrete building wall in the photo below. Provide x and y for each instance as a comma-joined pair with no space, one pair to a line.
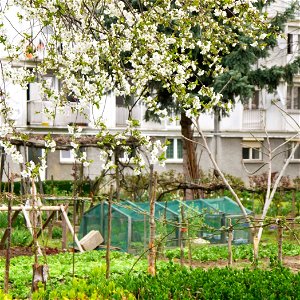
59,171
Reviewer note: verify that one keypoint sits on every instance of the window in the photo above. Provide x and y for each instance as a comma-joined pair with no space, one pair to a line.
253,102
293,43
251,150
174,150
293,97
291,146
66,157
35,155
34,89
290,39
127,156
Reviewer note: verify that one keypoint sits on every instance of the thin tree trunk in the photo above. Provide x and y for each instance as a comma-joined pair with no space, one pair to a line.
217,133
2,162
151,256
293,207
7,257
107,257
39,272
189,243
236,197
75,196
117,175
182,235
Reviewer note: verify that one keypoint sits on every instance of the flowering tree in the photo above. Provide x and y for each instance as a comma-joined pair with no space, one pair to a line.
95,47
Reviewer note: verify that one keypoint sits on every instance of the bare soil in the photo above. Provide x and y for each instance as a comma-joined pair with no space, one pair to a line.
28,251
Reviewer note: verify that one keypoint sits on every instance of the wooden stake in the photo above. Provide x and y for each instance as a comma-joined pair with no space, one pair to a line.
44,226
7,258
280,239
230,238
71,228
64,228
294,214
40,274
189,243
151,256
7,230
117,174
255,249
31,208
107,257
183,229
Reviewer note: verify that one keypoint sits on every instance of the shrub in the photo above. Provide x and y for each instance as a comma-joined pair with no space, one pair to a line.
56,233
18,223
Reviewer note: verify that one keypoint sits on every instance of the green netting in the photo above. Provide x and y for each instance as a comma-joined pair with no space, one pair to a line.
130,222
224,205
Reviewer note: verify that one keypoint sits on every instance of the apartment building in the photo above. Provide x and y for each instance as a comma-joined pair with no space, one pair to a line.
239,142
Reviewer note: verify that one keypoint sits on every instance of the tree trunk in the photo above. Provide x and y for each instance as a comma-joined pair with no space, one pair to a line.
190,164
2,163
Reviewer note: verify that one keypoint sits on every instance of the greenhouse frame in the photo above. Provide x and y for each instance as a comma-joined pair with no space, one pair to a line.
130,222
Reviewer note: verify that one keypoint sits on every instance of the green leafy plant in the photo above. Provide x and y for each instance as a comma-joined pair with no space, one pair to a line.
20,237
213,253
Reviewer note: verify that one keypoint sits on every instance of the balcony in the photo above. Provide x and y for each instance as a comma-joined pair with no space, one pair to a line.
254,119
122,114
63,117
